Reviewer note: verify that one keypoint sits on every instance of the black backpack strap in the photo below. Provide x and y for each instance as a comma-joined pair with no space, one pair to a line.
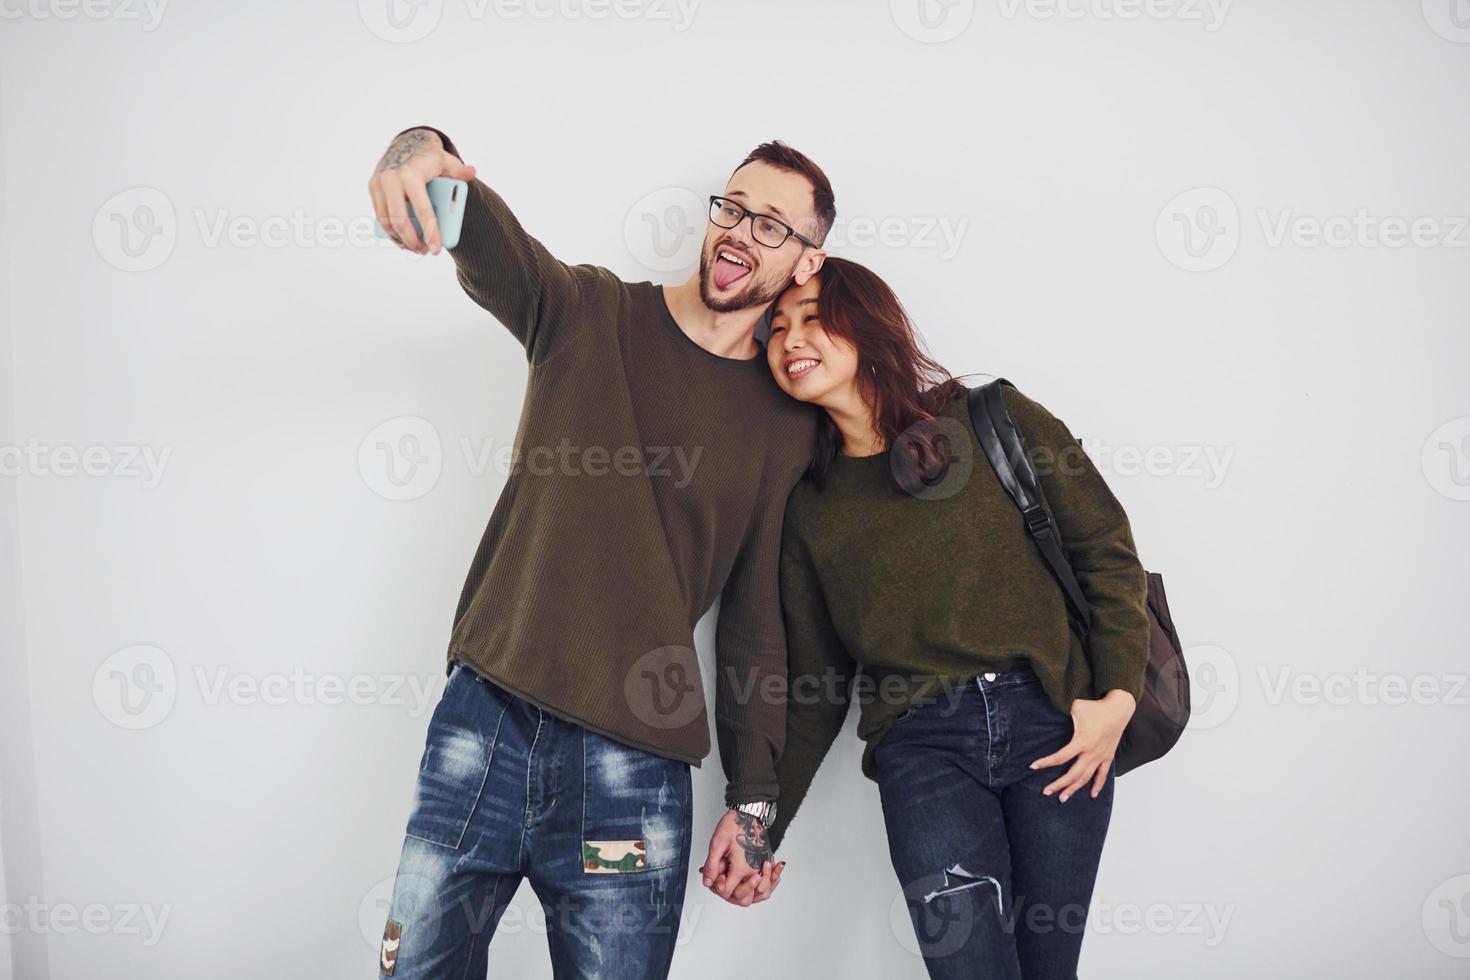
1003,446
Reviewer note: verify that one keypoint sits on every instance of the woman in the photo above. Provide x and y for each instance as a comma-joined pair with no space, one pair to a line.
910,584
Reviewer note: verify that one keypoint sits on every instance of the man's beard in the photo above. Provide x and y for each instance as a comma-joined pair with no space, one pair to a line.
752,292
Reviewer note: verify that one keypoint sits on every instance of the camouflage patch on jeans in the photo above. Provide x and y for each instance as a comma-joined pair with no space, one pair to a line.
388,956
611,857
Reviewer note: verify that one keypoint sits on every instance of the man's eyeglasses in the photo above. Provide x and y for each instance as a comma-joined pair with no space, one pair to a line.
765,229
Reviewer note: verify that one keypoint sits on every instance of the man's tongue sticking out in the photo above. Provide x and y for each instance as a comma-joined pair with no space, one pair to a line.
727,273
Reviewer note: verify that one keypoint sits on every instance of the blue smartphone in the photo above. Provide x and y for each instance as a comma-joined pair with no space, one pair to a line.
447,196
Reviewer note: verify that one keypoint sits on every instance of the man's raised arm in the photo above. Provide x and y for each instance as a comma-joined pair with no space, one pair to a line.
498,264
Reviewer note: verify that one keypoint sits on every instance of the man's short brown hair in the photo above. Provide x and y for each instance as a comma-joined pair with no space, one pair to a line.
783,157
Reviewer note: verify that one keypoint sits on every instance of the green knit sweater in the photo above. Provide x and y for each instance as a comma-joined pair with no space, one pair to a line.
649,478
890,598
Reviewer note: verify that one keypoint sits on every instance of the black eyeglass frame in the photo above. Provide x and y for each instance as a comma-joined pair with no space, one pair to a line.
715,199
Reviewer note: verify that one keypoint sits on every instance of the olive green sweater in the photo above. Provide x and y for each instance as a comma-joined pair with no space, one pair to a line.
890,598
649,478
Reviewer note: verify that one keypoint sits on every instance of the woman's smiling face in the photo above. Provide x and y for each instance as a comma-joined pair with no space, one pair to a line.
809,364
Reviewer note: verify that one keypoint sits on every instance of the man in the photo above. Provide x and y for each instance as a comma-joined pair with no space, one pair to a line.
653,460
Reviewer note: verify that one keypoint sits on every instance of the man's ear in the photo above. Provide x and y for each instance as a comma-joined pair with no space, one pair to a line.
808,265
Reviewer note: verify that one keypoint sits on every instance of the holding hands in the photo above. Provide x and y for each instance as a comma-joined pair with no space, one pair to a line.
740,867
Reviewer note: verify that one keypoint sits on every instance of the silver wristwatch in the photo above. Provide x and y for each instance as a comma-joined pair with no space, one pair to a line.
764,811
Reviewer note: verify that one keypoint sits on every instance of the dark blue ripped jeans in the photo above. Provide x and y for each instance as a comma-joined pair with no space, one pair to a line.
997,877
507,791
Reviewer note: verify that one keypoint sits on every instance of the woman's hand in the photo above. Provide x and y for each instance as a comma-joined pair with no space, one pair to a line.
1097,728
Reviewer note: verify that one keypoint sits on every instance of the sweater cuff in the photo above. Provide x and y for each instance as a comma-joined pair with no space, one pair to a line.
1120,675
737,793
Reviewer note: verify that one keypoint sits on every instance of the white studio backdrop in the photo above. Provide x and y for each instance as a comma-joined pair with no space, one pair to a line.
249,449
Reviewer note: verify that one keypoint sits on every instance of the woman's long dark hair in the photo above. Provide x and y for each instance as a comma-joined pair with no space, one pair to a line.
903,385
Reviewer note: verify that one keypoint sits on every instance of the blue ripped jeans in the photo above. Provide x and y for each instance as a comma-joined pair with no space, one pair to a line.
997,877
507,791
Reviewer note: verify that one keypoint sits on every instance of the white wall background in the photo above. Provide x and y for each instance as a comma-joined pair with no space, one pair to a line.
175,186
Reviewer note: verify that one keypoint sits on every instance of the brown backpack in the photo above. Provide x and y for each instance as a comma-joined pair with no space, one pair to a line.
1163,707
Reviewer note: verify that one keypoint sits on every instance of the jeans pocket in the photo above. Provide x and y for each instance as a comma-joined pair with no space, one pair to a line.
456,760
636,812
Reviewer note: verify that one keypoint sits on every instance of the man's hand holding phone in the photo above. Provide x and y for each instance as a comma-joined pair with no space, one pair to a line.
402,179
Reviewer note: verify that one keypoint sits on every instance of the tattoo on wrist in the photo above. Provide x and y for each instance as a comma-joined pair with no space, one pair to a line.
752,840
404,146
